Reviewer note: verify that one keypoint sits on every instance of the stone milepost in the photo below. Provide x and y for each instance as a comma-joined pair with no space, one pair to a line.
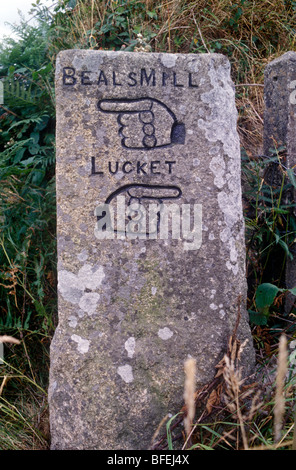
151,255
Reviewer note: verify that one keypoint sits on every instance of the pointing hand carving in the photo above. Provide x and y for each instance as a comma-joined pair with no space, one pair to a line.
144,123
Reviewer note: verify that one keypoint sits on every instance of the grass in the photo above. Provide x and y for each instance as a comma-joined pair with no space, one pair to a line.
235,414
24,421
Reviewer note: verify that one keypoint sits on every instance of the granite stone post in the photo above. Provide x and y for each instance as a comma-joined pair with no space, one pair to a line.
151,252
280,131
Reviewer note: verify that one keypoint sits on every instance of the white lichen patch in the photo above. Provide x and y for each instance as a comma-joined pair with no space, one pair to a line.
168,60
88,62
78,288
213,293
221,124
126,373
194,66
83,256
232,267
220,127
217,165
165,333
153,290
80,313
230,206
68,286
213,307
222,313
82,344
91,278
88,302
233,250
130,346
72,321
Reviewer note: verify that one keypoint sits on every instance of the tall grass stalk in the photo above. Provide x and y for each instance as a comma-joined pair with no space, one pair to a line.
279,407
189,395
234,381
294,432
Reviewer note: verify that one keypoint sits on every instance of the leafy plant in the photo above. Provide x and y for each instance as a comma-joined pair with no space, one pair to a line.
94,24
266,294
270,221
27,159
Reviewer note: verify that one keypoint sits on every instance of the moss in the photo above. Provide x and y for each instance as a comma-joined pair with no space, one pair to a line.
147,308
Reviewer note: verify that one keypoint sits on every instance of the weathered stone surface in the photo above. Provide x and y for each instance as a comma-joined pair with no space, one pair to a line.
280,131
136,130
279,116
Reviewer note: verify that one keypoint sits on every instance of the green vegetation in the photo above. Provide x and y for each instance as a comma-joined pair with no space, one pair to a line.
27,238
250,35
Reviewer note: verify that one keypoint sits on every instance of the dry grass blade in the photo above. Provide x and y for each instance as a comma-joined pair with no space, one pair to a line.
294,434
279,407
199,32
189,394
273,447
158,429
212,401
9,339
5,378
234,382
